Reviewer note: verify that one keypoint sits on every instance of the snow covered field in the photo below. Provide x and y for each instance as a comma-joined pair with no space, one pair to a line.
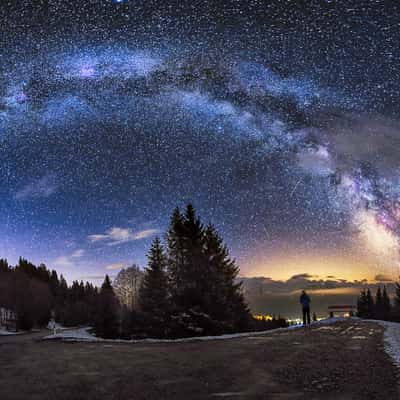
83,335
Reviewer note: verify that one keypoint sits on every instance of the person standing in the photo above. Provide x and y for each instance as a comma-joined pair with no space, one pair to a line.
305,304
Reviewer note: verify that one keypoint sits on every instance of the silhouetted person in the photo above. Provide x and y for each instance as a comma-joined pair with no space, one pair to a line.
305,304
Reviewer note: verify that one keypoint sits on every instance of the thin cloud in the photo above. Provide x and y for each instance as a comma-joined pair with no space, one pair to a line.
115,266
69,260
296,283
302,276
42,187
383,278
78,253
95,278
116,235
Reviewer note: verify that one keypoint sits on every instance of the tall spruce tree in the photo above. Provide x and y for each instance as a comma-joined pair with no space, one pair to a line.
153,295
397,296
386,304
106,324
4,267
370,306
175,254
378,304
362,305
396,303
195,269
226,300
202,277
186,260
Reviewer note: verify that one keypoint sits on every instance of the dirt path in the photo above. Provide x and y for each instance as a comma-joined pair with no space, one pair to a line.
341,361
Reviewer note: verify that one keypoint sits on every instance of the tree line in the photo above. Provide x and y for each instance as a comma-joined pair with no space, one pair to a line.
36,294
188,288
380,306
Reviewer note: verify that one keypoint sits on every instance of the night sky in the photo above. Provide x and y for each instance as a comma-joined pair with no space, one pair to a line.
278,120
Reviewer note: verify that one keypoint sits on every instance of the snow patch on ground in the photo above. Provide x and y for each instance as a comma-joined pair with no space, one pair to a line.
78,334
4,332
83,335
55,325
391,339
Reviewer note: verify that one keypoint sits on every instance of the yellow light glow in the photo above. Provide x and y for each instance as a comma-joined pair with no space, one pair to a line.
262,317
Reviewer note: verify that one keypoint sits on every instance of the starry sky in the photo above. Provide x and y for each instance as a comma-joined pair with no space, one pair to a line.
278,120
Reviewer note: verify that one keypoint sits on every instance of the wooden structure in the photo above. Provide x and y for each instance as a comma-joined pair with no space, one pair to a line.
348,309
8,319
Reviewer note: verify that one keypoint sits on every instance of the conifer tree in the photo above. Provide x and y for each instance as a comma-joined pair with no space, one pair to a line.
397,296
386,304
154,289
226,300
24,302
194,271
370,306
203,277
378,304
54,283
176,253
396,303
186,259
154,297
362,305
106,324
4,267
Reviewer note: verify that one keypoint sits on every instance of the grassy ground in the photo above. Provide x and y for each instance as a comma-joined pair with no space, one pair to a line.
342,361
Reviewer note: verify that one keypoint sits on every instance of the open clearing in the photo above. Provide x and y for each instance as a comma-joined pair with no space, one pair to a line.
341,361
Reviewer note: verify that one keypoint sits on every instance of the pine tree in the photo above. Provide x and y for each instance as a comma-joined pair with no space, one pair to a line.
54,283
4,267
176,253
203,278
154,296
24,302
193,273
362,305
378,304
186,260
106,324
386,304
395,315
397,296
226,300
370,306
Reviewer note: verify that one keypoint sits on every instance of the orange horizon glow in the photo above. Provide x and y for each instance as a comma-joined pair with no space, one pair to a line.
351,267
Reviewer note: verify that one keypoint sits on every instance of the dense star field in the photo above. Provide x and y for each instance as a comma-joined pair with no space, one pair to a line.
279,122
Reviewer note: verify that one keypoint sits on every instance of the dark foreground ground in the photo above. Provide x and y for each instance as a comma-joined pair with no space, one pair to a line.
342,361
